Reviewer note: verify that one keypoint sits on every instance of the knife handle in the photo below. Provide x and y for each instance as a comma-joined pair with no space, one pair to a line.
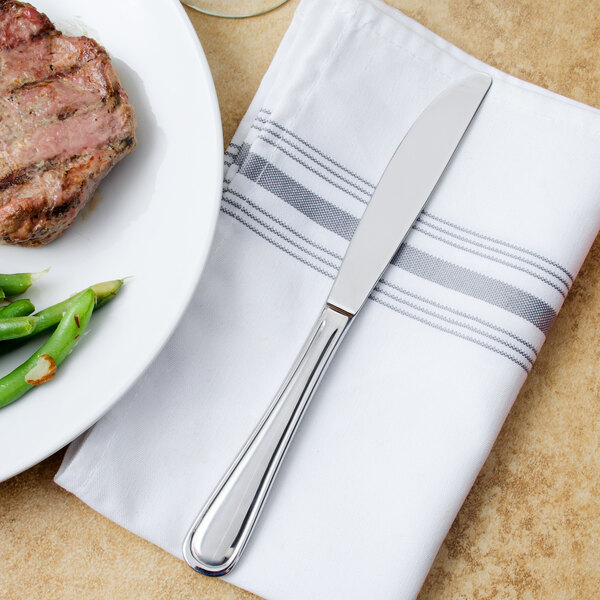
220,532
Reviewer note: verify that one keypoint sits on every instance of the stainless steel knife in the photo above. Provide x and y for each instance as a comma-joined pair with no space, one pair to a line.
219,534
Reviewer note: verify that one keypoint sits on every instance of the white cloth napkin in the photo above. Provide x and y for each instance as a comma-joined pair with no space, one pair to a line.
410,407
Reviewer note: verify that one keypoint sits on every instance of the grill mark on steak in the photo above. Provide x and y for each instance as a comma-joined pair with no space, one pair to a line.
42,58
22,176
54,75
65,121
51,199
36,104
76,135
66,114
120,145
15,178
26,174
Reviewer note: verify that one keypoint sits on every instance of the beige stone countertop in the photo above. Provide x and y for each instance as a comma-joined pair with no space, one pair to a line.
530,528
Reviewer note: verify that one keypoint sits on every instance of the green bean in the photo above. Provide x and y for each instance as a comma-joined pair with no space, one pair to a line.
103,292
16,327
42,365
17,283
18,308
51,316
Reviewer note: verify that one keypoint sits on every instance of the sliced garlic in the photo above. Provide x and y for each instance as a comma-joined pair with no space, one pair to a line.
43,370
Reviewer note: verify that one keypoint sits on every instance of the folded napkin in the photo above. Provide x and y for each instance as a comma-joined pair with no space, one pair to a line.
412,403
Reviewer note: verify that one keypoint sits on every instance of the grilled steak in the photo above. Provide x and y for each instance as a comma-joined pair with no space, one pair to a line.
65,121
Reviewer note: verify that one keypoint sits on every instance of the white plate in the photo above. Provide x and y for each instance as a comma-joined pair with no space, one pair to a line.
153,218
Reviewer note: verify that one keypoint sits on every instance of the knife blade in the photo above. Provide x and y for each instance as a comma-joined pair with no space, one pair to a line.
223,527
405,186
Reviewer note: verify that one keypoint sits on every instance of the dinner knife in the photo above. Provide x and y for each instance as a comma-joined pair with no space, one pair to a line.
219,534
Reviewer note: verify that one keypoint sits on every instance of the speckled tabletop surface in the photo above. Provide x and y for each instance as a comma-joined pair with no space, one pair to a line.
530,528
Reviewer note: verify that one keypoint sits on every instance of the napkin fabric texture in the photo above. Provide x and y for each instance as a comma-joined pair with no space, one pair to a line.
412,403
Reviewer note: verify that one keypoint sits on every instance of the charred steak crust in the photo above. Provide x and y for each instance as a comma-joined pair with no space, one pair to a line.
65,121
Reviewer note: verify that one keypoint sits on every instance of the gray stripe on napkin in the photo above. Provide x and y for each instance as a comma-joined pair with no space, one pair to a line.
502,243
521,259
258,169
460,313
454,332
284,225
361,199
493,291
243,151
314,149
276,244
474,284
491,258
